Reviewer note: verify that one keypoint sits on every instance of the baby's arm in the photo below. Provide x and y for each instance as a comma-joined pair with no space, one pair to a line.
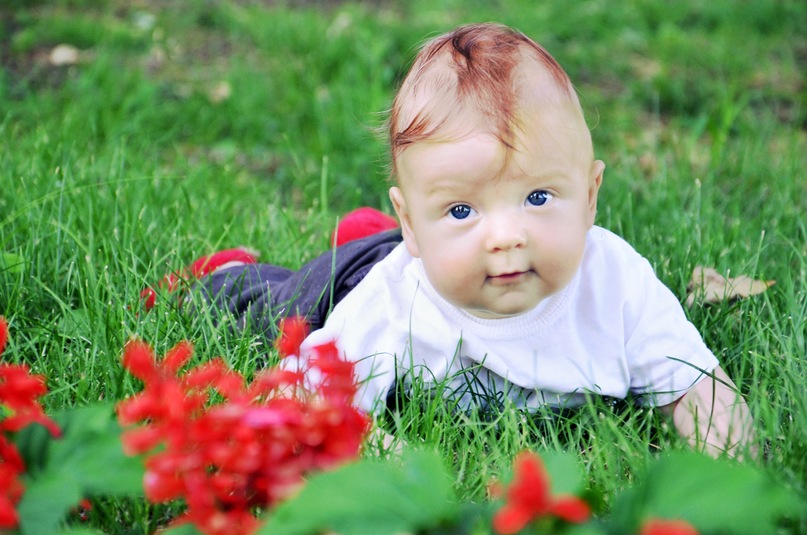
713,416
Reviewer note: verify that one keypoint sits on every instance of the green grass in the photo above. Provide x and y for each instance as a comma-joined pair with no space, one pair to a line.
121,168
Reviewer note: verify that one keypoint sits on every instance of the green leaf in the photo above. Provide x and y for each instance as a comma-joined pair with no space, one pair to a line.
88,460
46,501
565,472
93,451
591,528
184,529
11,262
713,495
370,496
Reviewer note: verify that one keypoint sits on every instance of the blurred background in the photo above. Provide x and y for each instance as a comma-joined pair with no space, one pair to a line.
292,92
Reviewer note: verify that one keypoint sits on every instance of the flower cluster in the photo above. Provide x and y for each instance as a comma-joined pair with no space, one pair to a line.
251,449
19,391
529,498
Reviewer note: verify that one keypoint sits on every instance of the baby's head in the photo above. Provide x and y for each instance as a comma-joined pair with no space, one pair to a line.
477,77
496,180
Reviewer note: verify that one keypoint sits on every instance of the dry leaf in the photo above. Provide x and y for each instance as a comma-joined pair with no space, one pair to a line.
63,55
709,286
220,92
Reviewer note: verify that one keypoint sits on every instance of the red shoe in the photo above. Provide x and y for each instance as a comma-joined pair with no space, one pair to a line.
360,223
200,267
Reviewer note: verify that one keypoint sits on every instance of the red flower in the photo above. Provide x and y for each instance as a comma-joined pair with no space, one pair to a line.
658,526
293,331
19,408
3,334
252,448
11,489
19,391
529,498
83,509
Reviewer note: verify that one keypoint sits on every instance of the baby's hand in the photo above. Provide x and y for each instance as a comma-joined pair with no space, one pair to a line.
714,418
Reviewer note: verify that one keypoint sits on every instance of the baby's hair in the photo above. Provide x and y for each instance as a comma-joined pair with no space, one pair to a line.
472,71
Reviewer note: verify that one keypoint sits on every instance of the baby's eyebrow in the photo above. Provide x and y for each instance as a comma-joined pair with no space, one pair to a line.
459,182
545,174
457,189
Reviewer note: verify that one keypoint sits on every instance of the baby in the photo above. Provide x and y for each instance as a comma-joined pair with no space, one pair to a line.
502,292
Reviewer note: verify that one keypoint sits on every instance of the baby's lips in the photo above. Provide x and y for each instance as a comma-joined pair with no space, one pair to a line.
508,278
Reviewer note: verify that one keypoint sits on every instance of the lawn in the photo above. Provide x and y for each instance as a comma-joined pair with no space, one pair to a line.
163,131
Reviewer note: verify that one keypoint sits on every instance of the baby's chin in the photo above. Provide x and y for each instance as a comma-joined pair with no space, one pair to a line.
501,312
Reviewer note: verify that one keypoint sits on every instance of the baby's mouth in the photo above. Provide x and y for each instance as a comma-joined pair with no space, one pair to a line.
505,279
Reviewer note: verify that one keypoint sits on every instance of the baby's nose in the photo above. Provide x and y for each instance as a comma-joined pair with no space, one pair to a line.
505,231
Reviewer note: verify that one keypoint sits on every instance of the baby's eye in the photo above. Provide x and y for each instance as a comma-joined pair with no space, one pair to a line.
460,211
539,197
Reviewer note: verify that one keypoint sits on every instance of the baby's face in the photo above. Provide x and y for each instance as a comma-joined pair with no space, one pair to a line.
498,231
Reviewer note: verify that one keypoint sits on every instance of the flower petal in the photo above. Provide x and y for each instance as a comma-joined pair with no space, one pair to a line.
531,484
3,334
177,357
659,526
293,330
570,509
510,519
138,358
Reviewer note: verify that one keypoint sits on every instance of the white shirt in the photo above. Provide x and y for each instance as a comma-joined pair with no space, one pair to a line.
614,330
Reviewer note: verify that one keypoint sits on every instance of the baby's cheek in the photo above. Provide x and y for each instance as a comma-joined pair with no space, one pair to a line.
560,260
453,279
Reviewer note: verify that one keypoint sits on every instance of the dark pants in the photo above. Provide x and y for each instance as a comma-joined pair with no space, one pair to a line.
257,296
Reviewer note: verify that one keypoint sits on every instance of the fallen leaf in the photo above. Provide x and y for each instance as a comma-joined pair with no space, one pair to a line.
220,92
63,55
709,286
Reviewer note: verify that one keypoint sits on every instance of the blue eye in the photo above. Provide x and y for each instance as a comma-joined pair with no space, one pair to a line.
539,197
461,211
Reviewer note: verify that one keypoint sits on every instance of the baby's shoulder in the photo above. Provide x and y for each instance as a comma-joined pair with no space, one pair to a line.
615,274
610,261
381,285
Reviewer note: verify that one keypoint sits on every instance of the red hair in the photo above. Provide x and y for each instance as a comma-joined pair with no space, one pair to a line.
478,71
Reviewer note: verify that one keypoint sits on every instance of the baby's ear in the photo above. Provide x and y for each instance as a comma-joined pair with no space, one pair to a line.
401,210
595,181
